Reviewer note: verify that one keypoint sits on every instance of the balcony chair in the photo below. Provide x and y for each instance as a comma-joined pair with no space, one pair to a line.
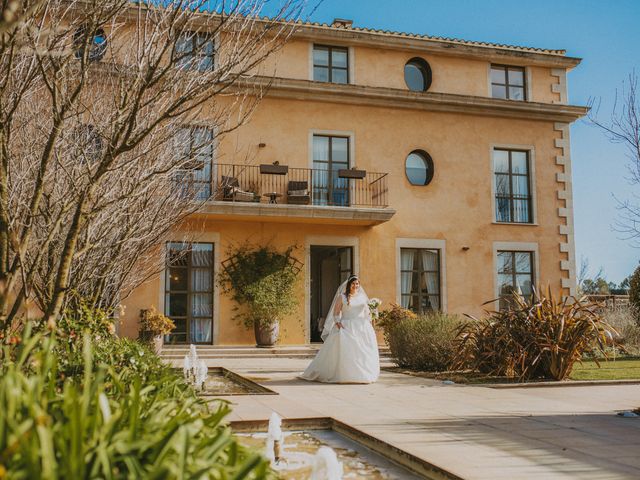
231,191
298,193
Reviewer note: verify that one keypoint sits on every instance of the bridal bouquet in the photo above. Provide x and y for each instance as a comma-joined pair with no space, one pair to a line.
374,303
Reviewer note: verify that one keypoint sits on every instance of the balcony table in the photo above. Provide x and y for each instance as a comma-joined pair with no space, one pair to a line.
272,196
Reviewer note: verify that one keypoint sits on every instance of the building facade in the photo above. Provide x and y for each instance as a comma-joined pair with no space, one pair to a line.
438,170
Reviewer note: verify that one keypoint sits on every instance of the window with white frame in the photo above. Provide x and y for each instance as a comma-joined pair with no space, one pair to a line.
420,279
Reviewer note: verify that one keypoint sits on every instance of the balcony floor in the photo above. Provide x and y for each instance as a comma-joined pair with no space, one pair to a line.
289,213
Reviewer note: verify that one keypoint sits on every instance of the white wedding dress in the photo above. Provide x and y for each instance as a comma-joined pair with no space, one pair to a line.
349,354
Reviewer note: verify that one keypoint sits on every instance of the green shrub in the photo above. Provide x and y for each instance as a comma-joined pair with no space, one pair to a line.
634,294
537,337
109,423
389,318
123,354
425,342
74,322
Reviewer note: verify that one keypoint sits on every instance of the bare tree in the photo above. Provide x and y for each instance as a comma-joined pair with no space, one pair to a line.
110,113
591,284
14,12
623,127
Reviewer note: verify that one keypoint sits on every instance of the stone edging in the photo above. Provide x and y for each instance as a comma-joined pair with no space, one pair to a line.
556,383
561,383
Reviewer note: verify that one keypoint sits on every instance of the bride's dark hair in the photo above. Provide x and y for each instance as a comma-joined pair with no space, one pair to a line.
347,291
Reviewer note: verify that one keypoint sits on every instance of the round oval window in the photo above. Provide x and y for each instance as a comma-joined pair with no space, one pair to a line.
419,168
417,75
97,44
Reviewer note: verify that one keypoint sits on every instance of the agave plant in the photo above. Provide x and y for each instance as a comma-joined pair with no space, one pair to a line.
536,337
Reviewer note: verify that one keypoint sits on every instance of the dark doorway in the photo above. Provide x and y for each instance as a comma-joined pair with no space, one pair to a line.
330,266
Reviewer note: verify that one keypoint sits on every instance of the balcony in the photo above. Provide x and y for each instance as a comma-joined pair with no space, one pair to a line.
283,194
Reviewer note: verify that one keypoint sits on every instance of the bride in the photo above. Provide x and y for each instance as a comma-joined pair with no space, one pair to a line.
350,350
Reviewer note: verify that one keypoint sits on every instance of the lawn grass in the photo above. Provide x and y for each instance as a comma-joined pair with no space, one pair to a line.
609,370
622,369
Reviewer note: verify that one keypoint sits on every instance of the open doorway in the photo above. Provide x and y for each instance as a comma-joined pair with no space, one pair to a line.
330,266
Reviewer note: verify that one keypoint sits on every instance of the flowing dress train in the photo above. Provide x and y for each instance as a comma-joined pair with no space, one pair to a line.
349,354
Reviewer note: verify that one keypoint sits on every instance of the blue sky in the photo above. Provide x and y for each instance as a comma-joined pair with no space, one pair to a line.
604,34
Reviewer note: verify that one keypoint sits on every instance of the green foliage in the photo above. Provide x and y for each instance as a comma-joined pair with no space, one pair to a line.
109,423
634,293
537,337
122,354
596,286
425,342
262,280
83,318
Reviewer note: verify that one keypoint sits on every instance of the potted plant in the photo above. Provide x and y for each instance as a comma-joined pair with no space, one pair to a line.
261,280
154,326
274,169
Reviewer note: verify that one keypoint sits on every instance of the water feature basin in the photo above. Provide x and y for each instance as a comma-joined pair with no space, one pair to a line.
362,456
221,382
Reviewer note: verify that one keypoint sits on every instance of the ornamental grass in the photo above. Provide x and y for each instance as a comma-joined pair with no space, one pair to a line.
536,337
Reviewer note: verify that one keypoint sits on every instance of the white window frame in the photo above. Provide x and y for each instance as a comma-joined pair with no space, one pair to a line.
532,182
195,237
432,244
514,247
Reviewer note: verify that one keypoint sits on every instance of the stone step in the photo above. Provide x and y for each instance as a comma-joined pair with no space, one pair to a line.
175,352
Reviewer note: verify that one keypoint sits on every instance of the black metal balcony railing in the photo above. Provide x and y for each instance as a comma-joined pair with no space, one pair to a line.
299,186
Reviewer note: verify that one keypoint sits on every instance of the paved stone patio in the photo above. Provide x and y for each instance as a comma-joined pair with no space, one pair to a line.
474,432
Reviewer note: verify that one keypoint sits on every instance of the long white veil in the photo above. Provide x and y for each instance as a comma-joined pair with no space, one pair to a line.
330,320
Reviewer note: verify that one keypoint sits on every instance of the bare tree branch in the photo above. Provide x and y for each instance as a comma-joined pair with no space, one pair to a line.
110,117
623,127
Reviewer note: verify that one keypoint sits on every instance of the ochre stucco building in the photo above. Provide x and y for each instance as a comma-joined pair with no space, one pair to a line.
466,188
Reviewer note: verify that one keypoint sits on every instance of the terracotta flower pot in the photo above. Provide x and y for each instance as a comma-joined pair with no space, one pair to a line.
266,333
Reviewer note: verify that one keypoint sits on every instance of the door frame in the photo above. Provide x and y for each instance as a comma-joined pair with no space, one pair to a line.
352,155
195,237
326,241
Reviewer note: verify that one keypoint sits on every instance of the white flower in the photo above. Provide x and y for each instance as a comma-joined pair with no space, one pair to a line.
375,302
104,407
